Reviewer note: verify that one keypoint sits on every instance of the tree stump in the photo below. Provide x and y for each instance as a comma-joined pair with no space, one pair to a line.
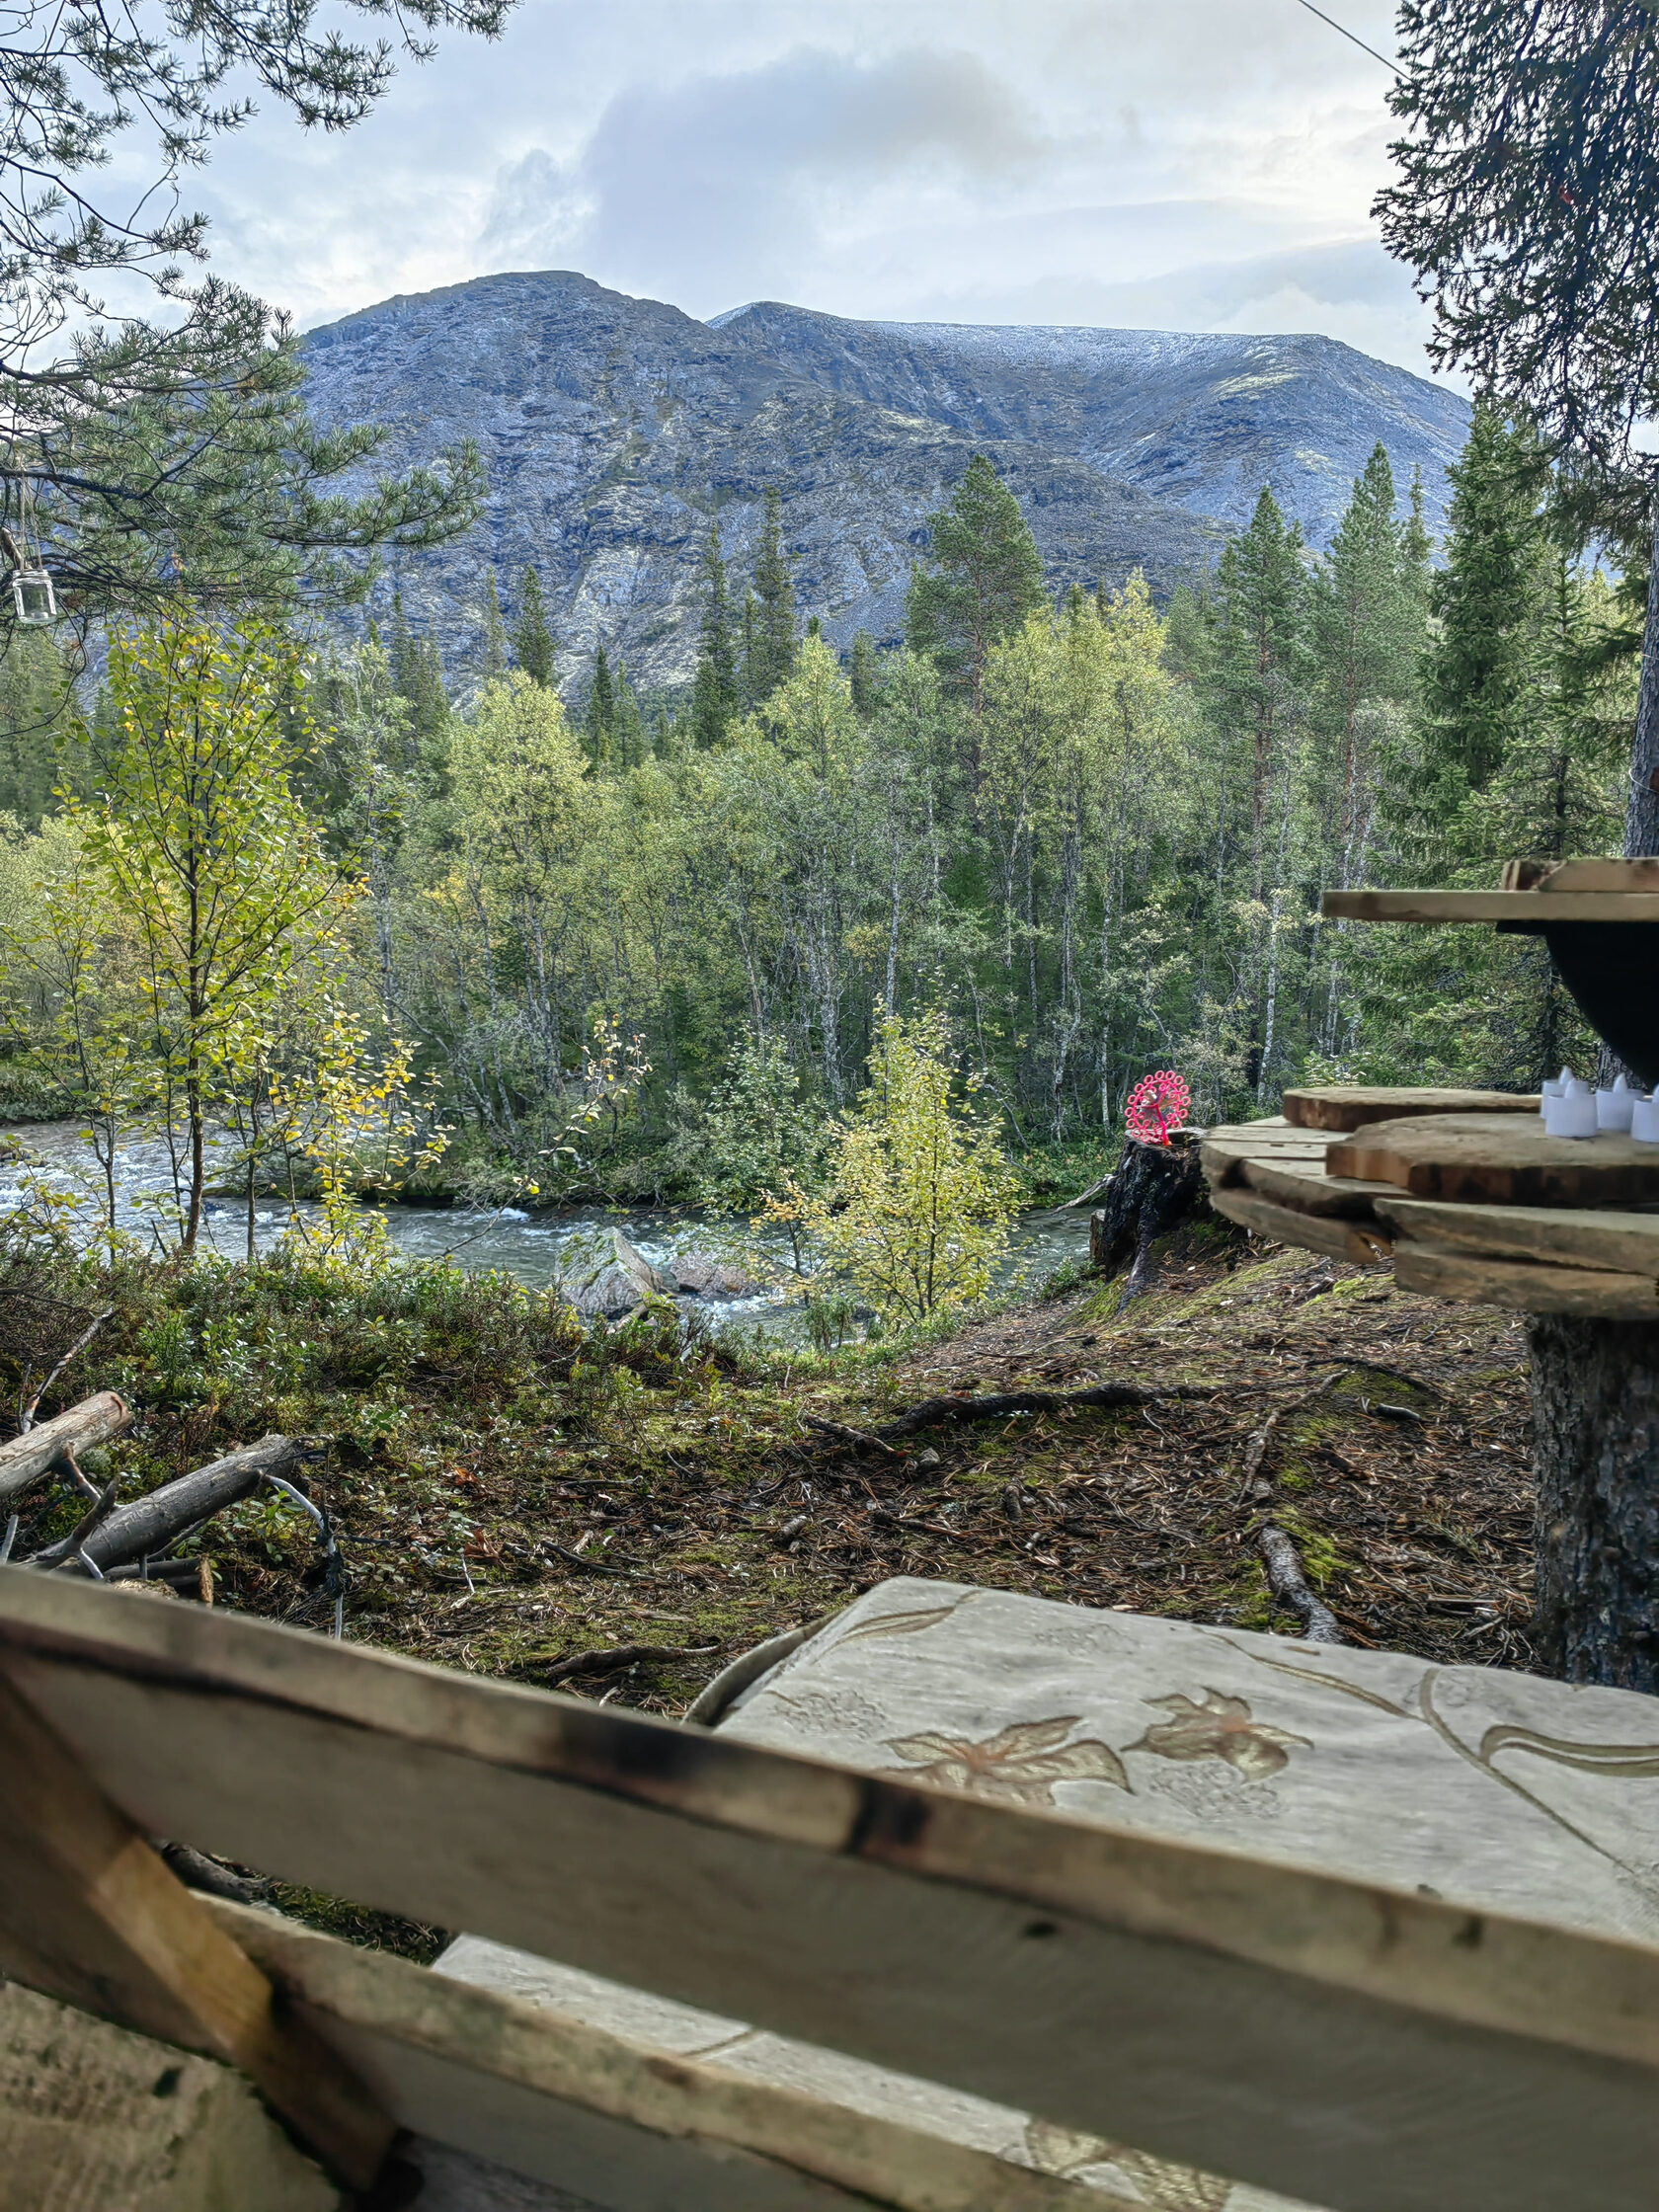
1596,1449
1156,1187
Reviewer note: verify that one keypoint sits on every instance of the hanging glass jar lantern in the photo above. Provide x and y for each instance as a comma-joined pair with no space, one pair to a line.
32,596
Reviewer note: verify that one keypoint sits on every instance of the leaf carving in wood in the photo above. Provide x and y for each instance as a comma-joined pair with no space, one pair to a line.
1221,1727
897,1624
1022,1762
1628,1760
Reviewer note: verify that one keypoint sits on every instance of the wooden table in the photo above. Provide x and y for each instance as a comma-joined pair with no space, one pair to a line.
1478,1206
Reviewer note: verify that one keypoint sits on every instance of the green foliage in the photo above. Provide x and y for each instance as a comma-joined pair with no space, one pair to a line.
534,646
984,580
493,653
754,1134
920,1197
714,691
769,613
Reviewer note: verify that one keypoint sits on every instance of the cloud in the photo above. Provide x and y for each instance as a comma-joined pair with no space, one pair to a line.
722,183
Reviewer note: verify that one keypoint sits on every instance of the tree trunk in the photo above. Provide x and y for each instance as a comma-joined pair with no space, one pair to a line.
1156,1189
1596,1449
1641,821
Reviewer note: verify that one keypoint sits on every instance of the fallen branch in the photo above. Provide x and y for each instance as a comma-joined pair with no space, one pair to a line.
589,1566
1289,1584
25,1416
70,1546
843,1435
150,1524
1002,1404
24,1458
621,1655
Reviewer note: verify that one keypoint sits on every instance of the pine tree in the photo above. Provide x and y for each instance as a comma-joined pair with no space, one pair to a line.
864,675
495,633
986,578
601,712
769,613
534,641
714,694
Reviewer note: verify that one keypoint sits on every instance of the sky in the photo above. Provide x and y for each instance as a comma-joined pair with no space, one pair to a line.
1201,165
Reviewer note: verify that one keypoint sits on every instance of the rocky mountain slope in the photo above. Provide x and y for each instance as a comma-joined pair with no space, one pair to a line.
615,428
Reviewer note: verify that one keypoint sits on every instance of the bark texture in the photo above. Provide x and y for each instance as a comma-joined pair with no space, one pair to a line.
1641,821
1156,1187
1596,1449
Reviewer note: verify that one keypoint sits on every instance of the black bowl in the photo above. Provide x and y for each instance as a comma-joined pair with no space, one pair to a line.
1611,970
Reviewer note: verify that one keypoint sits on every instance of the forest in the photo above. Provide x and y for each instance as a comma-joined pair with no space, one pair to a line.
531,939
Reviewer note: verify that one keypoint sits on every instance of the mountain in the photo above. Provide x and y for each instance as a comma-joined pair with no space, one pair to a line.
1202,420
614,429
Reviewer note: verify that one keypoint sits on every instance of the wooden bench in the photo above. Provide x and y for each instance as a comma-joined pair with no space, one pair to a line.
1388,2034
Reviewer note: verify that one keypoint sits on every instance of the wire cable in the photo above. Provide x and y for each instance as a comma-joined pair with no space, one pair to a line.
1352,37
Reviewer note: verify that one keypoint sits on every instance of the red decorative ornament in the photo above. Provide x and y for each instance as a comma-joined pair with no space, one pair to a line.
1157,1104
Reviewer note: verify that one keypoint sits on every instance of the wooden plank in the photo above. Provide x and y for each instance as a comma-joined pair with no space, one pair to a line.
1314,1232
94,2118
1581,875
1469,1280
1349,1106
1561,1235
1523,907
1369,2049
1498,1160
1223,1150
625,2122
24,1458
90,1913
1306,1188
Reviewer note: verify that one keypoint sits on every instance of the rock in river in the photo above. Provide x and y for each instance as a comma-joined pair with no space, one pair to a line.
614,1280
703,1275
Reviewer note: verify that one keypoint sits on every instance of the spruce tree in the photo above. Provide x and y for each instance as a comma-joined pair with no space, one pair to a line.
1368,624
628,741
38,726
985,579
714,693
494,666
534,642
1489,600
418,678
864,675
601,712
1258,667
769,614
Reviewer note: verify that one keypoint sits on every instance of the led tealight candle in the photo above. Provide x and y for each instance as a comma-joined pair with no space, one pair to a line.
1612,1107
1574,1114
1644,1120
1553,1087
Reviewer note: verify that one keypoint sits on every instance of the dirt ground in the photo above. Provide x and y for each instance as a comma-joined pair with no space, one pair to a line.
1397,1461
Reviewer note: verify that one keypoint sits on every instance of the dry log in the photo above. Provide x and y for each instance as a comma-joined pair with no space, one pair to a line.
152,1523
1288,1585
1003,1402
24,1458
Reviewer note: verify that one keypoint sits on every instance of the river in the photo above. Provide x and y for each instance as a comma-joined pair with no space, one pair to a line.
536,1246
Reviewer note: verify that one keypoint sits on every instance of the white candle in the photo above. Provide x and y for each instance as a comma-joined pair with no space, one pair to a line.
1612,1107
1644,1120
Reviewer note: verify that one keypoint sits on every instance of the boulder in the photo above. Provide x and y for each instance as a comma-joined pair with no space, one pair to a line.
614,1280
701,1275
